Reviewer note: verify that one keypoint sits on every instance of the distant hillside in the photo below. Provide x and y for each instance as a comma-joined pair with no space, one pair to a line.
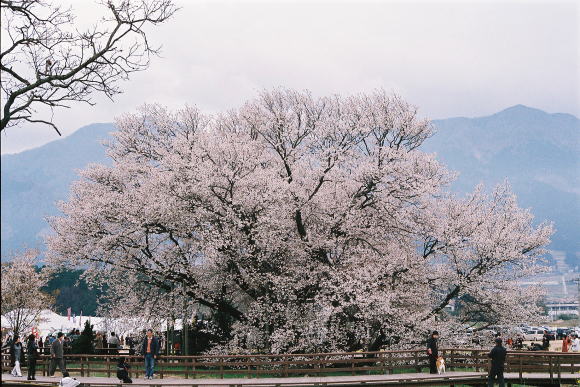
32,181
538,152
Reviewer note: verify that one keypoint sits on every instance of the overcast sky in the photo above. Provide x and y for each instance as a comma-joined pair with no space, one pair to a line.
449,58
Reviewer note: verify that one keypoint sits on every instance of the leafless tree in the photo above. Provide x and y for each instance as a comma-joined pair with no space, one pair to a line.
47,61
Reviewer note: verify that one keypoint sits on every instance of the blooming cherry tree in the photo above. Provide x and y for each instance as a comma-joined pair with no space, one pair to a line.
22,297
314,223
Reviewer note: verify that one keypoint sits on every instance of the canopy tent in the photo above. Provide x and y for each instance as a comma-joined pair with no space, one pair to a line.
50,322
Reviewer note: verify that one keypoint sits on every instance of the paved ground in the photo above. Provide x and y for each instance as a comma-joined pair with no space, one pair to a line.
398,379
401,378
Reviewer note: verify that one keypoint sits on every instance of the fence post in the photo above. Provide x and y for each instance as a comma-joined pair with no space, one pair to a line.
452,357
82,366
108,367
384,363
551,369
417,367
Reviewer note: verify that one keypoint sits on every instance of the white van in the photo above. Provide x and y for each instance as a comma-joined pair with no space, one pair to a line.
534,335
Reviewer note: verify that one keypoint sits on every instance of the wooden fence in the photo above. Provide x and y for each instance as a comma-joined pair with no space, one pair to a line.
346,363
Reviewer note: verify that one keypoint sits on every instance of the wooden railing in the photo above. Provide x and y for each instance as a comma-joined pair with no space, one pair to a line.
98,351
350,363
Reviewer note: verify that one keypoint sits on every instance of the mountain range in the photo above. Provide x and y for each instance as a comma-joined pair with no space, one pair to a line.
538,152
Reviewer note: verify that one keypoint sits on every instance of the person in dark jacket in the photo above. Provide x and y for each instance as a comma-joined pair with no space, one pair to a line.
150,350
123,371
32,351
546,341
497,355
57,355
40,344
16,356
433,351
131,345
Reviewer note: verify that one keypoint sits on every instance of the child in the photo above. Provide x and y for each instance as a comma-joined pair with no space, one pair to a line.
67,381
123,371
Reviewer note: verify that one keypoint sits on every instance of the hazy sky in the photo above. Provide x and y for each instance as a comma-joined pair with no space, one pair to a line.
449,58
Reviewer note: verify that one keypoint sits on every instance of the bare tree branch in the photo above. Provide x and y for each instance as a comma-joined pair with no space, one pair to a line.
48,62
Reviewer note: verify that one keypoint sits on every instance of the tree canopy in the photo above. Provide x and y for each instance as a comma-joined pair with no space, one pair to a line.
316,224
23,299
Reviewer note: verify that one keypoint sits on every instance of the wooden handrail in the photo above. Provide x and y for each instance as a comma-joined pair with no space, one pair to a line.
320,363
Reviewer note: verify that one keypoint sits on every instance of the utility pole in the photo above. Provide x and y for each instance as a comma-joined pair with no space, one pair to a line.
577,280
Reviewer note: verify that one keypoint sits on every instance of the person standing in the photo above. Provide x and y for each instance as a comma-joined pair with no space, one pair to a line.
566,343
113,343
99,343
57,355
16,356
32,351
519,344
546,341
67,344
131,345
433,351
497,355
150,349
575,344
510,342
8,343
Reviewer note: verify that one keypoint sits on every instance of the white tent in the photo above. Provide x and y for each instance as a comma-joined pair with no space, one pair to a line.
51,322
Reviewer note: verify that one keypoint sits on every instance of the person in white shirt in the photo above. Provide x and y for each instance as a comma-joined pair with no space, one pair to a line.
67,381
575,344
114,343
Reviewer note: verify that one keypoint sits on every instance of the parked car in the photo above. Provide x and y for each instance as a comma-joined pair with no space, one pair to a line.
562,332
534,335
